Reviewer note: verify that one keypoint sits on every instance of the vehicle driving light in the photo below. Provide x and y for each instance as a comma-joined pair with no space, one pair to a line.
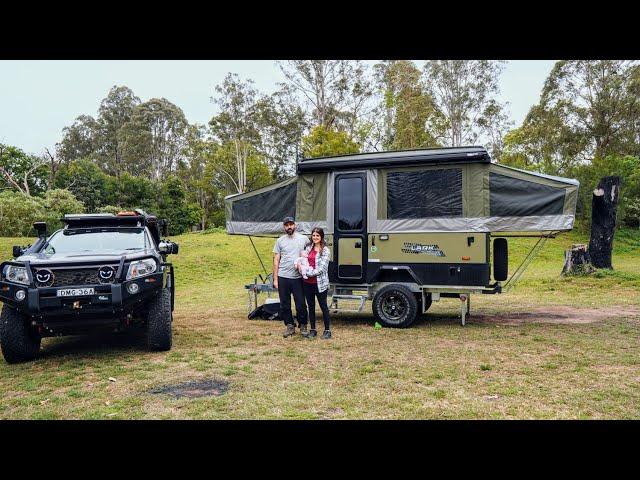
133,288
140,268
16,274
20,295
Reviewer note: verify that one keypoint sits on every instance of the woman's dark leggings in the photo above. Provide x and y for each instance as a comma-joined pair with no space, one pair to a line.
310,294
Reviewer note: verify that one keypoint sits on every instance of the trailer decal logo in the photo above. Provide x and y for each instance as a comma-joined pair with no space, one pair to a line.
419,248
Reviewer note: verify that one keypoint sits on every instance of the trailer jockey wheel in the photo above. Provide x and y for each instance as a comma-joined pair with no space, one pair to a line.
395,306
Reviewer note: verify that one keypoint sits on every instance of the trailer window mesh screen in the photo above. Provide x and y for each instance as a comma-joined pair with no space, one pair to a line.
512,197
424,194
269,206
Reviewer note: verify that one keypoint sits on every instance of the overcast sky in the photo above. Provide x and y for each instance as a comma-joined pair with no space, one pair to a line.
39,98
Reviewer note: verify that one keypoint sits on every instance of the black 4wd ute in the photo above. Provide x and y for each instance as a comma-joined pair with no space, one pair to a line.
100,270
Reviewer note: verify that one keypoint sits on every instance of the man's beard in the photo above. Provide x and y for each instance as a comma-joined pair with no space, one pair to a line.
289,231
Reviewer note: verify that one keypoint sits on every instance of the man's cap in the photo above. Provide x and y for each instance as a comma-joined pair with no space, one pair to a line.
288,219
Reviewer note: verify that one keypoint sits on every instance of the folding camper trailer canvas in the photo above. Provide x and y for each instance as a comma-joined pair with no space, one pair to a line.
406,228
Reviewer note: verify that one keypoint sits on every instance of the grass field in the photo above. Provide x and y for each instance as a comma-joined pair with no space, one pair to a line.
553,347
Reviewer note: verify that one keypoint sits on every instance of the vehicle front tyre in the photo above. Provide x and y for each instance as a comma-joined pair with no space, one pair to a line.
159,319
18,341
395,306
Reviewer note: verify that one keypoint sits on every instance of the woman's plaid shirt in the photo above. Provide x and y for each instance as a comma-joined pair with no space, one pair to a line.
322,268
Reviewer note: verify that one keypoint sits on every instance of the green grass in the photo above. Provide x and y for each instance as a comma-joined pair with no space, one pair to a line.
495,367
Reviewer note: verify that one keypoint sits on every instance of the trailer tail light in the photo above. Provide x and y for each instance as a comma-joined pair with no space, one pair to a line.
466,258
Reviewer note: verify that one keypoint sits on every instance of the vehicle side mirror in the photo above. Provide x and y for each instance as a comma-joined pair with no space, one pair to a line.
168,248
18,251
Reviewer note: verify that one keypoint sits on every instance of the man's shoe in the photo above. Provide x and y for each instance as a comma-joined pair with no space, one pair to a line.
326,335
303,330
289,331
313,333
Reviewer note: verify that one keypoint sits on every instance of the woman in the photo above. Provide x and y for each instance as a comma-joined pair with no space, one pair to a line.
317,283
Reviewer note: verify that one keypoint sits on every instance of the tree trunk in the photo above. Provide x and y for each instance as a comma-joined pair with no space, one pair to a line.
603,221
577,261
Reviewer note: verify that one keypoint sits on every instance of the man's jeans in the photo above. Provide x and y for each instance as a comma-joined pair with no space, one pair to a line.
286,288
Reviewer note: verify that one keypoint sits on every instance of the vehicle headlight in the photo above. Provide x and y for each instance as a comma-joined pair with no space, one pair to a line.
140,268
15,274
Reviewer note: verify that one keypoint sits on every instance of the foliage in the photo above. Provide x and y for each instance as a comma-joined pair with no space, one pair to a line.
154,139
407,109
86,181
335,92
19,171
465,92
322,142
173,206
628,169
113,209
57,203
18,212
99,138
132,192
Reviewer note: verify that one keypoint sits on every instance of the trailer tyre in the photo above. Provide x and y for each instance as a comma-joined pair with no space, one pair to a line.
159,319
19,343
395,306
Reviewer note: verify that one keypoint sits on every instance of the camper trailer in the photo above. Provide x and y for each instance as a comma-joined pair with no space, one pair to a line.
407,228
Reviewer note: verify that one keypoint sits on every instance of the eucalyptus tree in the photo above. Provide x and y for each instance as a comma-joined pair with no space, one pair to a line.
598,100
336,93
22,172
407,111
281,126
465,92
237,124
98,138
153,140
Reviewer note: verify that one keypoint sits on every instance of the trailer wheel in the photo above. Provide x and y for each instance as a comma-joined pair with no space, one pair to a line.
159,319
395,306
19,343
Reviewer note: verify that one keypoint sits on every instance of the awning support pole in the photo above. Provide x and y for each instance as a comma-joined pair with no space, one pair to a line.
259,257
525,263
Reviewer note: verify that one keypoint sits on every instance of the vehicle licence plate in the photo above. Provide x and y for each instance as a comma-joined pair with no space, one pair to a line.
75,292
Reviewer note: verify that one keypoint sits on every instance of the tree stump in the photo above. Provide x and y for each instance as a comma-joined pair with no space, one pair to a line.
577,261
603,221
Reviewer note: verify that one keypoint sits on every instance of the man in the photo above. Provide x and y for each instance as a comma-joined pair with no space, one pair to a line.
287,279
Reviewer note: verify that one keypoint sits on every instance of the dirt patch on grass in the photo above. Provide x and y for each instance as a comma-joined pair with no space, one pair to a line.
194,389
558,314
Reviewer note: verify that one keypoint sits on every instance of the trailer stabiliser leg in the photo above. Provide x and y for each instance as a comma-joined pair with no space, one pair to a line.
464,307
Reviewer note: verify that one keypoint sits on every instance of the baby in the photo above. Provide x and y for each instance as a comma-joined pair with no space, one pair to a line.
302,264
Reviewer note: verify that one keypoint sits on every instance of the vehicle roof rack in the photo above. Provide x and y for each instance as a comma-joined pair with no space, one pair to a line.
136,218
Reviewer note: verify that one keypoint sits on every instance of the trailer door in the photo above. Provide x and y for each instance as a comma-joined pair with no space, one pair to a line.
350,245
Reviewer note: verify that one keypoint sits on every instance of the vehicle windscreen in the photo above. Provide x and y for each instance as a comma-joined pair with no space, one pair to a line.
111,241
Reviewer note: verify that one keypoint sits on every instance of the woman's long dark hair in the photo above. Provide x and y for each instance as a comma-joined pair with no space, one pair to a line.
320,232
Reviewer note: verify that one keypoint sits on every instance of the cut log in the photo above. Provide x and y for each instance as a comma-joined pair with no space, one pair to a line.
603,221
577,261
